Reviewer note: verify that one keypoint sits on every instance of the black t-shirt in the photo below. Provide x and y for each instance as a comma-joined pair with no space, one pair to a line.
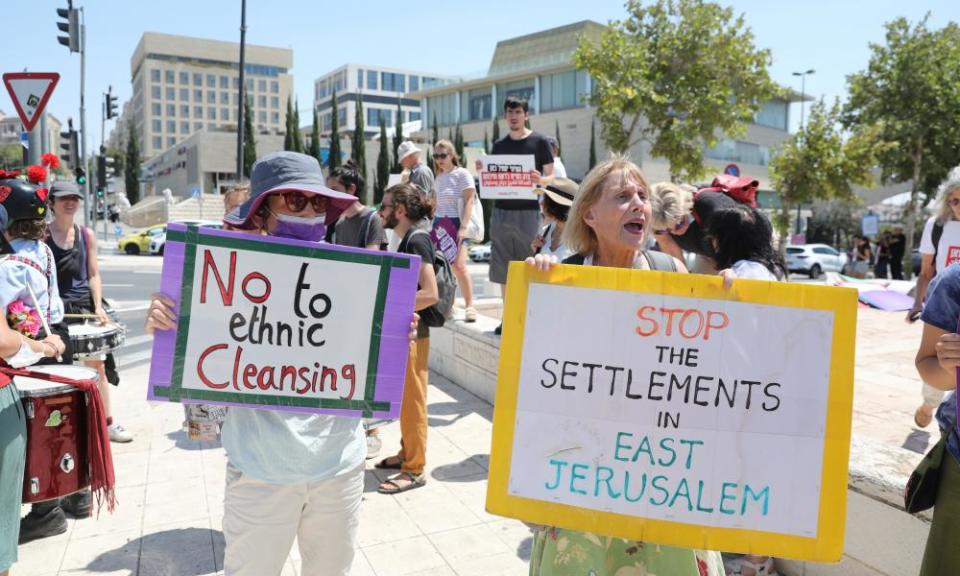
898,244
420,245
704,205
536,145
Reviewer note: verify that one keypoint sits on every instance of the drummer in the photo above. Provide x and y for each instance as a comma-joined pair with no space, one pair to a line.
78,276
17,351
28,286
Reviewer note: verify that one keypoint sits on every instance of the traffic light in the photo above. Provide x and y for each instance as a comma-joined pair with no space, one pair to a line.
101,173
111,104
69,145
81,175
71,26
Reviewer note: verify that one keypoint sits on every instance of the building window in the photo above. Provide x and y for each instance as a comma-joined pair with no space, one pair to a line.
262,101
414,116
274,87
374,115
185,94
520,89
262,85
169,76
171,93
197,79
157,142
224,114
236,82
342,116
198,95
558,91
198,111
443,108
224,82
184,111
275,118
359,78
262,117
171,126
372,79
156,125
414,82
171,141
224,97
155,92
738,151
155,75
275,102
155,108
479,104
184,128
197,126
211,97
249,84
211,113
393,82
184,77
326,121
773,114
211,81
171,109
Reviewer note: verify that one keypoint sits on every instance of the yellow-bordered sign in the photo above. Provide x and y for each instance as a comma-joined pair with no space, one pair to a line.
565,444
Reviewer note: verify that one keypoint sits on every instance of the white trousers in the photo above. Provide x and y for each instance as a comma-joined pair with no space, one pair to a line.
260,521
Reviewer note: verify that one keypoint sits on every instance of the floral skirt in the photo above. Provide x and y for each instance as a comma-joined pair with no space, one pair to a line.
558,552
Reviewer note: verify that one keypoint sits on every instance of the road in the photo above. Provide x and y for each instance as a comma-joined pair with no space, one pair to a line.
128,282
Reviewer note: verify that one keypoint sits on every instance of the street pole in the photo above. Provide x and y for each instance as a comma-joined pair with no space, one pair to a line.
803,95
83,120
44,137
242,88
103,154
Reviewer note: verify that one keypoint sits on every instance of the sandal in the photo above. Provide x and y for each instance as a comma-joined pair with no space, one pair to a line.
389,463
395,486
470,314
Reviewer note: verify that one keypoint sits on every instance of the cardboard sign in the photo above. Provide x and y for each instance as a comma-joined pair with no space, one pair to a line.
30,92
283,324
507,177
664,408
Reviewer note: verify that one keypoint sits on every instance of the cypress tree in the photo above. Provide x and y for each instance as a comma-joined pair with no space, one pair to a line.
249,138
314,149
297,135
131,171
333,161
559,148
486,142
288,137
359,151
383,164
593,145
496,129
436,136
397,140
458,143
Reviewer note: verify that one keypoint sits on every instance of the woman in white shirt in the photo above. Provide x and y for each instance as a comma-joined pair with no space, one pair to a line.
558,197
455,195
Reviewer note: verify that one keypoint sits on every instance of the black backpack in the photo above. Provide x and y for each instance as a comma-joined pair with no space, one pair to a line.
435,315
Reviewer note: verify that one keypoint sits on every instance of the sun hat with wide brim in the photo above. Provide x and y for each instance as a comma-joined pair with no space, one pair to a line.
287,171
563,191
405,149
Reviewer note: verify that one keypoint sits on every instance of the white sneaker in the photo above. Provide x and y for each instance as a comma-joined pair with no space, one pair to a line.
373,446
119,434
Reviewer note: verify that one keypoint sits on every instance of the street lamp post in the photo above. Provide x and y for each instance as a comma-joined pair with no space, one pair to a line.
803,96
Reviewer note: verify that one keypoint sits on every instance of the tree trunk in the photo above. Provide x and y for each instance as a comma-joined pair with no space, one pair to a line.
784,227
910,212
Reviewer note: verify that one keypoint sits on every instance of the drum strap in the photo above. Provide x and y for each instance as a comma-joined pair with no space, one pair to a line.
48,274
102,480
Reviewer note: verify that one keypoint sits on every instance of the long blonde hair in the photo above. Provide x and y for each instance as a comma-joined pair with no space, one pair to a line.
578,235
944,211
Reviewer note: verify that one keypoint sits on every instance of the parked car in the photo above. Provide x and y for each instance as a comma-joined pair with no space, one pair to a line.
139,242
157,243
480,253
815,259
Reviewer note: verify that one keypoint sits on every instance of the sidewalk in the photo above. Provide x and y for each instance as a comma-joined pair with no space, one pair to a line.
171,489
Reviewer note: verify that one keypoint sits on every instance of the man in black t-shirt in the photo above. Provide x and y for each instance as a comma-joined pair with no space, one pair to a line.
514,223
898,245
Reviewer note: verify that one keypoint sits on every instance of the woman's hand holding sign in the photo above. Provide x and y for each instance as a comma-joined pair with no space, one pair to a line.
161,315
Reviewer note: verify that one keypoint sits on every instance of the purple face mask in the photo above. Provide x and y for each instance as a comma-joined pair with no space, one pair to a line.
299,228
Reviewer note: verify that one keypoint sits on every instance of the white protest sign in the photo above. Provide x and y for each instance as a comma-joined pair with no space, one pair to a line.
507,177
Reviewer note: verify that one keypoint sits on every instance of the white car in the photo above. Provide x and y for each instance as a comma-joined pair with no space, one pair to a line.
815,259
480,253
158,241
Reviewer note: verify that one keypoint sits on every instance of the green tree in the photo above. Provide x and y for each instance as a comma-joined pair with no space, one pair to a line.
496,129
486,142
131,175
820,162
315,137
249,138
908,92
297,134
397,140
559,149
290,127
383,164
333,161
675,74
458,142
119,157
593,144
359,151
11,156
436,135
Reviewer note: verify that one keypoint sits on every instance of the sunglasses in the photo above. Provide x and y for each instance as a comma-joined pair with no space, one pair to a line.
297,201
440,155
954,201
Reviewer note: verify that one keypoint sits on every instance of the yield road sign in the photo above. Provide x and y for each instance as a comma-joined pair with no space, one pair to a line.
30,92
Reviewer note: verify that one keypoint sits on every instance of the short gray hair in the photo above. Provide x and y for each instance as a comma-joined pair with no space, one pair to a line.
670,202
952,182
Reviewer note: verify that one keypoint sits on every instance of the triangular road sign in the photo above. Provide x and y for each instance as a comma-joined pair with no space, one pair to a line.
30,92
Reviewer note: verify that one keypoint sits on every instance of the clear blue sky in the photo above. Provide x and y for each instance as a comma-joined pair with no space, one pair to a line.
456,38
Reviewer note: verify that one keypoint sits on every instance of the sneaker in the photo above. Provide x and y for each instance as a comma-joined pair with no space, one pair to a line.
78,505
498,330
45,519
373,446
470,314
119,434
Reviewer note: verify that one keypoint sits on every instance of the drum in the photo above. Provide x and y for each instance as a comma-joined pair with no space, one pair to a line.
57,464
90,341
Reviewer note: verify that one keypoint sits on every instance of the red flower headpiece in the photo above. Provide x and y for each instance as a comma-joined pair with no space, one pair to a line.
36,174
11,175
4,192
50,160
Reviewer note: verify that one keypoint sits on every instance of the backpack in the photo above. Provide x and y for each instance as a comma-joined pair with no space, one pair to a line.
659,261
434,316
937,233
743,189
